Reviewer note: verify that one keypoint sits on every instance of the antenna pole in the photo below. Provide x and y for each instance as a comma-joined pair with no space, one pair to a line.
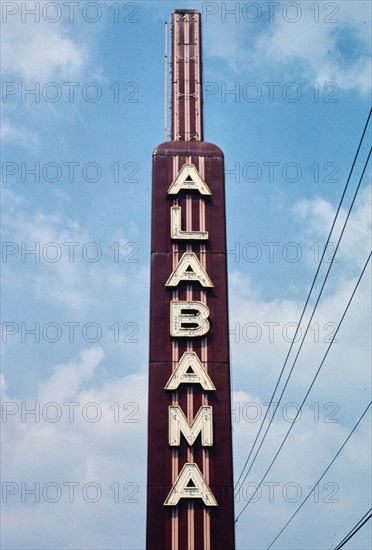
166,64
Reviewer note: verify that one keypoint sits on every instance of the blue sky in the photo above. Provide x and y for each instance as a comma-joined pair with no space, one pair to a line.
286,92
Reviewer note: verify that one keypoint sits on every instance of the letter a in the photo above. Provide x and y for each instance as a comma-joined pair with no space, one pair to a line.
189,269
190,371
189,178
190,484
188,319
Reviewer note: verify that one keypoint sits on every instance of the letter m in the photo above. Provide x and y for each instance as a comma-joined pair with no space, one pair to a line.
203,422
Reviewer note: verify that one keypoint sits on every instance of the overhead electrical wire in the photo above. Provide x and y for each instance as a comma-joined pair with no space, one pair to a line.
310,388
304,309
321,477
302,340
355,529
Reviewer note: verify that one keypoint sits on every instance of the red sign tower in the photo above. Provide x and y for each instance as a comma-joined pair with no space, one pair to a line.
190,480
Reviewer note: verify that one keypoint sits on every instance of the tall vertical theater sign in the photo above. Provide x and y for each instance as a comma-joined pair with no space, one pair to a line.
190,481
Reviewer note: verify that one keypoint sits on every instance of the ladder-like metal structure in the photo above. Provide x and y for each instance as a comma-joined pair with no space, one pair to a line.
186,101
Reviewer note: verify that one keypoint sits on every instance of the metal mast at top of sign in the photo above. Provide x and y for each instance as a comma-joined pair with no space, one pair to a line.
186,100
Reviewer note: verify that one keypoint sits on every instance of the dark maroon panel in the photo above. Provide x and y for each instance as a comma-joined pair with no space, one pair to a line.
222,520
158,533
159,457
166,524
161,202
161,296
159,452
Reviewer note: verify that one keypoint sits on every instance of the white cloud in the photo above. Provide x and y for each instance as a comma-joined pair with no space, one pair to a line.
18,135
307,452
262,329
60,280
41,51
63,271
81,450
341,391
109,456
317,216
66,380
299,44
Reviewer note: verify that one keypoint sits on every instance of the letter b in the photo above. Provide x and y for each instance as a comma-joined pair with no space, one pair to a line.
188,319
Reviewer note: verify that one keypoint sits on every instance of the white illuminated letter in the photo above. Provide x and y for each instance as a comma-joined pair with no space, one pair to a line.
189,269
203,422
190,370
176,231
190,484
189,178
188,319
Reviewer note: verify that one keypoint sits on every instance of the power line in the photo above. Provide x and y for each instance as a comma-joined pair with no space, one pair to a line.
304,308
355,529
311,385
321,477
302,340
